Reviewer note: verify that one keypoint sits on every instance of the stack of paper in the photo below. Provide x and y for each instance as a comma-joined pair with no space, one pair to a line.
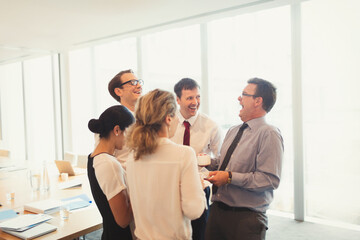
47,206
28,226
50,206
24,222
36,231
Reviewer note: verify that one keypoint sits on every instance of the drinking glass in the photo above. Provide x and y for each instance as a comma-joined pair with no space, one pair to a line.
35,179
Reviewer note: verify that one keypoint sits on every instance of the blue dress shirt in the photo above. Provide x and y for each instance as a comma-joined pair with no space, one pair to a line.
255,165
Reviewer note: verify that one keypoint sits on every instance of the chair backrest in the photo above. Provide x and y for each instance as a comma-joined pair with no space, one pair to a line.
82,161
72,157
4,153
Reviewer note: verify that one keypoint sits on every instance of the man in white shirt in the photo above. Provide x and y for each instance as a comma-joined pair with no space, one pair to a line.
204,135
125,88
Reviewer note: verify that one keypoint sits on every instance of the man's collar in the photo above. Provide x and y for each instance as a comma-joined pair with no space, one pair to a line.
253,123
190,120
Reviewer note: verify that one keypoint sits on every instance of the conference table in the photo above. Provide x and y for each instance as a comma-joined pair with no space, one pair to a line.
79,223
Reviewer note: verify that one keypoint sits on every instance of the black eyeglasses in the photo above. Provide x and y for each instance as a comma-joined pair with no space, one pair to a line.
133,82
248,95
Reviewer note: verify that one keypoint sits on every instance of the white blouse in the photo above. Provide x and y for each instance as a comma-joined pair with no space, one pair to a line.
109,174
165,192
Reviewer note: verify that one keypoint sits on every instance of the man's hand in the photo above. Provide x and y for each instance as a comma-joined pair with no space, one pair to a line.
218,178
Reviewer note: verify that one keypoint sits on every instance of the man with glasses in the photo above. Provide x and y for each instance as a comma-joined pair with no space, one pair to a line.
126,88
204,135
250,169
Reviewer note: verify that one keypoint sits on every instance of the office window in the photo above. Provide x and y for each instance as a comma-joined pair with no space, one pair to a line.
12,111
331,56
39,109
91,69
110,59
254,45
83,97
0,122
169,56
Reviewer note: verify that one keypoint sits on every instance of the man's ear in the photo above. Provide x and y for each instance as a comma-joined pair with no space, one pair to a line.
178,100
118,91
258,101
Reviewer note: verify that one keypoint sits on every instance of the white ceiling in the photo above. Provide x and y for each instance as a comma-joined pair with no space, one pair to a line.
37,27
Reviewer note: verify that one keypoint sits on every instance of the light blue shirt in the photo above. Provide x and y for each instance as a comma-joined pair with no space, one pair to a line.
255,165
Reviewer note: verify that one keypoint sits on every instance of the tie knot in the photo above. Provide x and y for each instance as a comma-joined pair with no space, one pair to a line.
186,124
245,125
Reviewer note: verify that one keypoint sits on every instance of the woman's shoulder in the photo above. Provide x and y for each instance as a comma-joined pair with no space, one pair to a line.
103,156
105,159
170,144
177,150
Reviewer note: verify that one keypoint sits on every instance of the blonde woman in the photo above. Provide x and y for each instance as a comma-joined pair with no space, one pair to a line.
163,180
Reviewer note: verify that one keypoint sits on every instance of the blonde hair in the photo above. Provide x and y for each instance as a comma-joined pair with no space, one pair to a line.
151,111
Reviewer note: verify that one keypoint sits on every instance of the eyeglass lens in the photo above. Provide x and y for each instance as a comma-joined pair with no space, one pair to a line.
136,82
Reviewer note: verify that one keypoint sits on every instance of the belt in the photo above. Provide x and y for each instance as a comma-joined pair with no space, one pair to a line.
226,207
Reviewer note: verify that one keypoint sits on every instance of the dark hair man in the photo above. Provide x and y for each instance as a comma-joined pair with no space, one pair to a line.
199,132
250,169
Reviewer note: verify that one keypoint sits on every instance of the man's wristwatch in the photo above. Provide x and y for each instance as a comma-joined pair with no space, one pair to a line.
230,177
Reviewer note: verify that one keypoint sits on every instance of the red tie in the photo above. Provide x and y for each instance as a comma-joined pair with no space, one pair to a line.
187,133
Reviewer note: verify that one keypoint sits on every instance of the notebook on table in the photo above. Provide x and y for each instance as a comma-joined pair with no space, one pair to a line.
33,232
47,206
66,167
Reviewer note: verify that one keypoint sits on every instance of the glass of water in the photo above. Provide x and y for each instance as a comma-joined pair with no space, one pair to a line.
64,210
35,179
